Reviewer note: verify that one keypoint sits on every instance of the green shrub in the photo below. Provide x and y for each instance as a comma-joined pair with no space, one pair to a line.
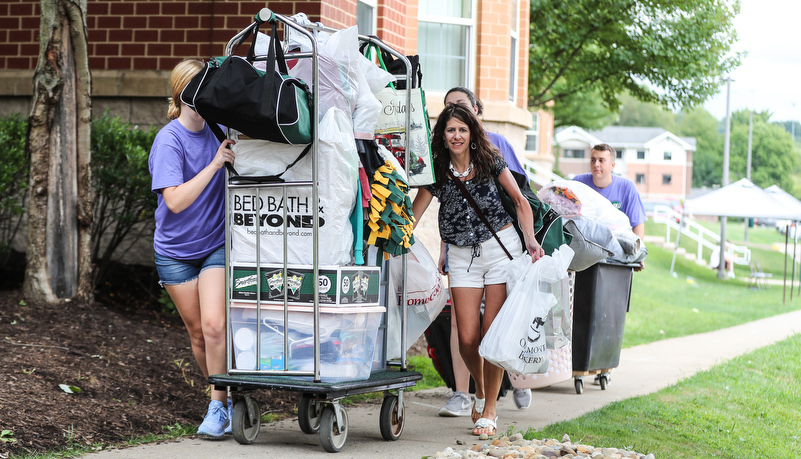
14,174
121,181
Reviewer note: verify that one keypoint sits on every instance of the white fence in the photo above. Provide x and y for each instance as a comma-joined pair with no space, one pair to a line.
539,174
700,234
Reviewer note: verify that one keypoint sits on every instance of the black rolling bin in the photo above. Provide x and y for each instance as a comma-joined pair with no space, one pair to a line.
600,303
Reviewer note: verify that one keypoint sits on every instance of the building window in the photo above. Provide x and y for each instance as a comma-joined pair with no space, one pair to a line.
515,36
619,153
366,17
574,153
533,134
665,179
640,154
668,155
640,179
445,43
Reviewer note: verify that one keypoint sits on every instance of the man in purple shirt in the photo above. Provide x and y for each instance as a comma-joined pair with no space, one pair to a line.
620,191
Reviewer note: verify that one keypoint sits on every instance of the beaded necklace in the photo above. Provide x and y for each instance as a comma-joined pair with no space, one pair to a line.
461,174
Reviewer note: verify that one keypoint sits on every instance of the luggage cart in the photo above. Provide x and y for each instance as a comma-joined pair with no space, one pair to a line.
602,297
319,410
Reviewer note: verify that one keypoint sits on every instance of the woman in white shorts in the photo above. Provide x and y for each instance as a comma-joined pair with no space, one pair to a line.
476,260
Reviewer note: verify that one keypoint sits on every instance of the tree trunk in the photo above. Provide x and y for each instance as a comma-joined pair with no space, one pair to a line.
59,264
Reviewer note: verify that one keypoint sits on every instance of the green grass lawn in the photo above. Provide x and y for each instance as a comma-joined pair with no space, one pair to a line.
695,301
761,241
745,408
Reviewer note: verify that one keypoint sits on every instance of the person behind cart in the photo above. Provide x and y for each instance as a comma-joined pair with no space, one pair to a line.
186,162
460,404
463,152
620,191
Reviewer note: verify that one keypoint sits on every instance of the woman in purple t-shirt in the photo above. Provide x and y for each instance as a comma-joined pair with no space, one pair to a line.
186,163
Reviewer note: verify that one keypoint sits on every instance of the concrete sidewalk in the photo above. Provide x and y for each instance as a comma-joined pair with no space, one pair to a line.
642,370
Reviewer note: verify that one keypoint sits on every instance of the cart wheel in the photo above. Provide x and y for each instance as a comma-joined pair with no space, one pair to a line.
392,419
333,435
246,421
309,415
579,383
604,380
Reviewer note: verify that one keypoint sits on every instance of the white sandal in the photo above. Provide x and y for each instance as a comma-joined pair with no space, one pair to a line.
479,405
484,423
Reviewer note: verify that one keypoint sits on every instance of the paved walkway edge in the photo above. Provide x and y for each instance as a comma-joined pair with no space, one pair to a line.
643,369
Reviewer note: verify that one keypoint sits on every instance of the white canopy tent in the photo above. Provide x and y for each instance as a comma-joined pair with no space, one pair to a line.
791,202
741,199
786,199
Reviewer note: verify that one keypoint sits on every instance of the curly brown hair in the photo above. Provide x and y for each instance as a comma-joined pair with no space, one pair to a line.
483,153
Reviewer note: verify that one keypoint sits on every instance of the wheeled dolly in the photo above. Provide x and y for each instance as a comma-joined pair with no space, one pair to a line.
604,379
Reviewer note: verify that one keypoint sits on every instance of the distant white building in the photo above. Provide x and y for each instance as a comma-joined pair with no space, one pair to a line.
659,162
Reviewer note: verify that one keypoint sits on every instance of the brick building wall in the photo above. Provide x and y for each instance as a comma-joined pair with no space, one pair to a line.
134,44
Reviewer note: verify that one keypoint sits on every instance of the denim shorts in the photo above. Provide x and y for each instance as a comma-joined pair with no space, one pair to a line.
484,264
174,272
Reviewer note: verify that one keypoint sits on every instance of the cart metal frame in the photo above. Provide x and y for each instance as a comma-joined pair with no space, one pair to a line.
320,410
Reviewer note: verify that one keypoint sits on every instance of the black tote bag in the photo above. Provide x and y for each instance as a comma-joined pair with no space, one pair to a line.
268,106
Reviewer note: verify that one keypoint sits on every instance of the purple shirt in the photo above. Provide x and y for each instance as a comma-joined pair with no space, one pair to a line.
622,193
176,157
507,152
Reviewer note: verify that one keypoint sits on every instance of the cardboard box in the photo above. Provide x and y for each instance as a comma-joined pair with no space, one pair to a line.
347,339
338,285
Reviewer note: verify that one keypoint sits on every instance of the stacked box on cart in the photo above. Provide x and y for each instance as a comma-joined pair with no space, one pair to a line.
338,285
347,339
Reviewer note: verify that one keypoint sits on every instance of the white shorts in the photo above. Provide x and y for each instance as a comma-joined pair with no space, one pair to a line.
487,266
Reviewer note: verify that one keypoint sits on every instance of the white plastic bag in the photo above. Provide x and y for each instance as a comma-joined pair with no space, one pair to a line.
572,199
338,57
516,341
425,297
338,176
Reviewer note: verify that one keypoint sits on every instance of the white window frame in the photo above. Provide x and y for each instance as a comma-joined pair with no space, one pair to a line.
534,131
470,58
373,4
644,155
514,41
667,155
640,179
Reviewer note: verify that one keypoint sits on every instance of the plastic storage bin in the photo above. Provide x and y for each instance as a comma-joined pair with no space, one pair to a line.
347,339
600,303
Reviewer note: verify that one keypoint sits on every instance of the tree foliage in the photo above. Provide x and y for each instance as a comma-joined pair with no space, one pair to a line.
671,52
121,181
708,155
773,155
14,166
647,114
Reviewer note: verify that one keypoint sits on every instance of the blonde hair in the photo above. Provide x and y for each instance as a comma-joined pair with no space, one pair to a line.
180,76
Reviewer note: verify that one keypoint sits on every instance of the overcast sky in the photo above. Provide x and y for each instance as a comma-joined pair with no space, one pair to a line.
770,75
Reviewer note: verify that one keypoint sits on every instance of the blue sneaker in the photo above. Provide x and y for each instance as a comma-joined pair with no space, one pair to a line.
213,426
228,430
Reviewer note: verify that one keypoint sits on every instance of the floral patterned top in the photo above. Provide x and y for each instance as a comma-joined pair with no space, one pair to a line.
458,222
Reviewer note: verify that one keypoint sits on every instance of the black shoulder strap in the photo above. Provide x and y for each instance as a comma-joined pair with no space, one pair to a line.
256,179
469,198
221,137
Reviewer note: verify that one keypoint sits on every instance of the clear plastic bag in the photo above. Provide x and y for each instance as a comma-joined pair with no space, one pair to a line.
517,340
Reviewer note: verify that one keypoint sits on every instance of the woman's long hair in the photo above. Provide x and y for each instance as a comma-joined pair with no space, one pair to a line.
483,156
180,76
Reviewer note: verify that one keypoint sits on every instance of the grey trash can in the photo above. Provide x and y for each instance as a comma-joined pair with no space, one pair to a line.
600,303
